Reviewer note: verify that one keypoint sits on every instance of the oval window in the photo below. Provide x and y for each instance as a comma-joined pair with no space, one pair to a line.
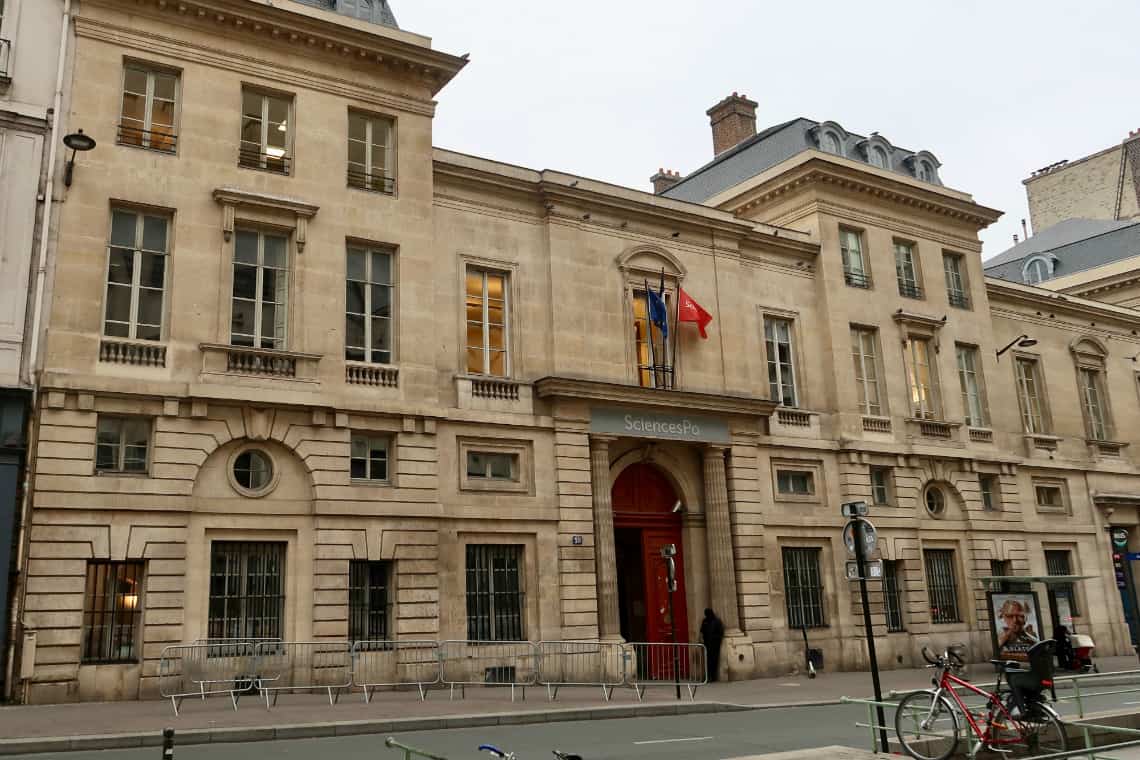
935,501
253,470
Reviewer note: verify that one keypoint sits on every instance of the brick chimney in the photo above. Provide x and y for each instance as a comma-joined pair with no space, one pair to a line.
733,121
664,179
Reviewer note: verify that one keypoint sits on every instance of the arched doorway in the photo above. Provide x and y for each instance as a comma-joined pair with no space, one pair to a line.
644,522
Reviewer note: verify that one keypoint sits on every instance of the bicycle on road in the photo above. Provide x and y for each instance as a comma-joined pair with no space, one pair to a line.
1019,721
511,755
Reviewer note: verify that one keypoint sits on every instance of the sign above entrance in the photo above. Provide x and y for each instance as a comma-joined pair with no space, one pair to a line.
673,427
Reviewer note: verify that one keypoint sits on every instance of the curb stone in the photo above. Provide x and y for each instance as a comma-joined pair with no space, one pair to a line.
198,736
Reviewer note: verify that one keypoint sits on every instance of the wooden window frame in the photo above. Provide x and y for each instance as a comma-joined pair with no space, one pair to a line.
145,133
368,250
137,251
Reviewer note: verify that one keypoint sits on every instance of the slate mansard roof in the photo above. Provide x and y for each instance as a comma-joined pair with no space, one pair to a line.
375,11
1071,246
782,141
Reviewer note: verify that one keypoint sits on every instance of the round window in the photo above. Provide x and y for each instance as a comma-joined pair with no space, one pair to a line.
253,470
935,501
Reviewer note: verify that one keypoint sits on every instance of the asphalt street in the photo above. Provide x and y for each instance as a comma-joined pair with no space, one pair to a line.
686,737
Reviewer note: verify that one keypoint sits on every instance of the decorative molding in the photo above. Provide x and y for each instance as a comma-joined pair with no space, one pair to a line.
231,198
632,395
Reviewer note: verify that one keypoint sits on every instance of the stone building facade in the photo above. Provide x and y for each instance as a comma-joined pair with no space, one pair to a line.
308,377
1104,185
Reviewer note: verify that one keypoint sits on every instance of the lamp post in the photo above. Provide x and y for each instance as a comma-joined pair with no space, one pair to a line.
79,143
1022,341
669,551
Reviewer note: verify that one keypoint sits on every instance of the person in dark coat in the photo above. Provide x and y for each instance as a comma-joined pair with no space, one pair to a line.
712,634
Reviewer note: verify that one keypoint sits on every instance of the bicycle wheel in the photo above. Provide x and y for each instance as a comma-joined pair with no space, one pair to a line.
1043,734
927,726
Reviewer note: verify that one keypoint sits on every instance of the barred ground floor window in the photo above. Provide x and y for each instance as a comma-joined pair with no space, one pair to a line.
112,610
803,588
942,586
369,600
247,590
892,593
496,593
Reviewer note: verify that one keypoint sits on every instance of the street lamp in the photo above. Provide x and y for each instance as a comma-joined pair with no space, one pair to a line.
79,143
1021,341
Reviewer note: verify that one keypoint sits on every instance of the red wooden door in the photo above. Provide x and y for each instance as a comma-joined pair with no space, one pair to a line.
656,589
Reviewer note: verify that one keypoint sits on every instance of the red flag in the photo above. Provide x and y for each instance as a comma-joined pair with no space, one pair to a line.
689,310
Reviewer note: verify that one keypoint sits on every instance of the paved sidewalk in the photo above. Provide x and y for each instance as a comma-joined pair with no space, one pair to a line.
126,724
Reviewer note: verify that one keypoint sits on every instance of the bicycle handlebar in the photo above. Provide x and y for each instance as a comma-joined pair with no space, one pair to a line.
492,749
927,656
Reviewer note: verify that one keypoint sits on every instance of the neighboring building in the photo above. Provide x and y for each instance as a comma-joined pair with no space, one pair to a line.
1102,186
485,439
30,38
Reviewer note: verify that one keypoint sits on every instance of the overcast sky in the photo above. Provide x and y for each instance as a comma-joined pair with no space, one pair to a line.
613,90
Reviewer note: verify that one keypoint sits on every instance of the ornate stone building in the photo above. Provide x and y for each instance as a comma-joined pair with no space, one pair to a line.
307,377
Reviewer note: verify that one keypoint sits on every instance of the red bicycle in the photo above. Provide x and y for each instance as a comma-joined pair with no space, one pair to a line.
1019,721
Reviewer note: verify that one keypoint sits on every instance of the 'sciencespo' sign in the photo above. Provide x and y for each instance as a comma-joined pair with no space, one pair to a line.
675,427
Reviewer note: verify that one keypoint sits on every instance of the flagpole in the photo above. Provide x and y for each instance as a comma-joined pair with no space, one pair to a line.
649,326
676,325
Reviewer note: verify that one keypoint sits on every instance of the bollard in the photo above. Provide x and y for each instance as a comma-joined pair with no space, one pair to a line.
168,744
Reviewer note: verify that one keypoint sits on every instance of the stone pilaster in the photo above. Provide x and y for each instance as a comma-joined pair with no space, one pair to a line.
605,559
718,526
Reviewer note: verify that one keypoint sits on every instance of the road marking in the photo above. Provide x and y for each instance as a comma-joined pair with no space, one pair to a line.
1132,703
667,741
788,684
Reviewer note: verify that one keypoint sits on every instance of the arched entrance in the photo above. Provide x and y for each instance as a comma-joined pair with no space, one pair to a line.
644,522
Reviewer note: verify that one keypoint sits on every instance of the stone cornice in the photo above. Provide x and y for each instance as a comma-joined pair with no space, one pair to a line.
1038,298
1103,284
632,395
312,30
818,171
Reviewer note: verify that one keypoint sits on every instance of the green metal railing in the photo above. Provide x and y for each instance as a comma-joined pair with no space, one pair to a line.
410,753
1083,688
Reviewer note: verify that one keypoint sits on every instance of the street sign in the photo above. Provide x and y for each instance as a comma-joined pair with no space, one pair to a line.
872,567
1120,538
1132,556
868,537
854,509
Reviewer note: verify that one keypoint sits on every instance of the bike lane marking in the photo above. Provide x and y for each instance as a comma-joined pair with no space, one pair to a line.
667,741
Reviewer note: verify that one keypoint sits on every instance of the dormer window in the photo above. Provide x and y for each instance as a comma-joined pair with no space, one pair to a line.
1037,269
878,157
925,172
831,144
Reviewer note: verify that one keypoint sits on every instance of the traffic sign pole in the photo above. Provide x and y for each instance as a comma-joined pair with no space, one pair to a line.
861,558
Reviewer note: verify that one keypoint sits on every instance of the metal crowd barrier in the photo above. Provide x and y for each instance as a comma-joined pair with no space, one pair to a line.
378,664
489,663
205,669
581,663
649,664
304,666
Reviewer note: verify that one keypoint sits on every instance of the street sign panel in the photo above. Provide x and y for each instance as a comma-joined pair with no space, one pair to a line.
869,538
1132,556
873,569
853,509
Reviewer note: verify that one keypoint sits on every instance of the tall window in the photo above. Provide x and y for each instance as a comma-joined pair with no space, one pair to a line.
371,153
968,379
1062,594
496,597
1029,396
487,352
855,271
122,444
369,457
369,600
368,305
781,374
864,352
881,485
956,291
147,117
136,275
991,495
803,588
266,131
654,357
247,590
260,290
921,379
1092,401
892,594
941,586
906,269
112,609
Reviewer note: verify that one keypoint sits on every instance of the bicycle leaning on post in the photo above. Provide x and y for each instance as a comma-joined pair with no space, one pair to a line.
929,723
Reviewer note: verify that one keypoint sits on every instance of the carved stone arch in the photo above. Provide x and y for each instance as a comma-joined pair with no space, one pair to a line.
943,474
291,482
646,260
669,465
1089,347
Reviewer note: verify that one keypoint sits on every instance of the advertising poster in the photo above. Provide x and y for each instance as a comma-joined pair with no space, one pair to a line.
1016,625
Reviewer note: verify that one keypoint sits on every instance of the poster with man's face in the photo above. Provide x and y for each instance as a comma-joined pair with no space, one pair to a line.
1016,625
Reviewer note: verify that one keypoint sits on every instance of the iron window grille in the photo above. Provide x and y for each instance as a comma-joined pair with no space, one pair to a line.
369,458
368,305
369,600
122,444
247,590
496,593
371,153
854,267
857,279
906,270
988,486
266,132
112,611
1057,563
147,117
136,275
955,280
942,586
892,593
803,588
